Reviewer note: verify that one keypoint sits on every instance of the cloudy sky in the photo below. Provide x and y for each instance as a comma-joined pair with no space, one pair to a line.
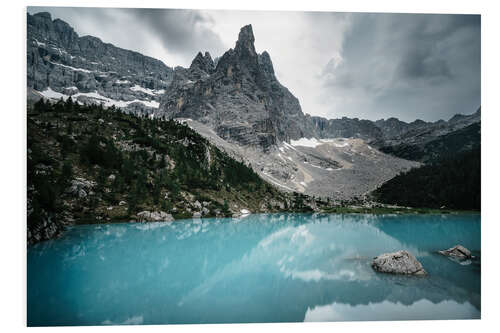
370,66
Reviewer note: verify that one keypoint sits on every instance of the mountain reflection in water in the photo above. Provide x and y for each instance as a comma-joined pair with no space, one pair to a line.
261,268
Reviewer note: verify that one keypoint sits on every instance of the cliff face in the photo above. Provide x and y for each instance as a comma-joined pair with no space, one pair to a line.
62,64
240,98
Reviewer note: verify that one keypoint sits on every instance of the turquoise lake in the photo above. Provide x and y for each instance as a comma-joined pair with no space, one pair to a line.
260,268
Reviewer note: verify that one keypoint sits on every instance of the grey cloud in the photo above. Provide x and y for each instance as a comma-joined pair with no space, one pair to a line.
419,64
179,32
404,65
183,31
411,65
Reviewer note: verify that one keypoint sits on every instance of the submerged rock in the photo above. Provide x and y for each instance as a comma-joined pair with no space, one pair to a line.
401,262
458,251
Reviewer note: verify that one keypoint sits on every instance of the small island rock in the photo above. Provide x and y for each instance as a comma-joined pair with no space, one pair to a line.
458,251
401,262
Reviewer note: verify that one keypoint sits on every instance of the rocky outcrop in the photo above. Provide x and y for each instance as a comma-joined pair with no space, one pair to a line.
47,227
401,262
62,64
148,216
347,128
457,252
81,187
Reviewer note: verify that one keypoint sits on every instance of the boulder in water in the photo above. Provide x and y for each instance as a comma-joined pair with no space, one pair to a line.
401,262
458,251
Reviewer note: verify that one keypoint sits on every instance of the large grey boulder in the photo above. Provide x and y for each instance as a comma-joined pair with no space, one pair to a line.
401,262
458,251
148,216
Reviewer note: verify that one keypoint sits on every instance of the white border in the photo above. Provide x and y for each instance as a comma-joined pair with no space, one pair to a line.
13,139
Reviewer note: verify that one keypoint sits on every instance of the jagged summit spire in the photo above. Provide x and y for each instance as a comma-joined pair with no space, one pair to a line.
246,34
203,62
246,39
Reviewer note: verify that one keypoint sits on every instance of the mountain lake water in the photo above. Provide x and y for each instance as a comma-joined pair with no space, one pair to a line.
260,268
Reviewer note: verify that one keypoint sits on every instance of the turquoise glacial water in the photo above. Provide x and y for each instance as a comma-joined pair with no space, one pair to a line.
261,268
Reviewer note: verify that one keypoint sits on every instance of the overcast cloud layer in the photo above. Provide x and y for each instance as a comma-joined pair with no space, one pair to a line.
369,66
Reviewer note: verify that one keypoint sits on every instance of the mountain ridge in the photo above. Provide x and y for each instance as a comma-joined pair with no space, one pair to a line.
248,107
237,100
61,64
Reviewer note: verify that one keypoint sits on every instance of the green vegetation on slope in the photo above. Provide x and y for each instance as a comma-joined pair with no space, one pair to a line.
87,164
454,183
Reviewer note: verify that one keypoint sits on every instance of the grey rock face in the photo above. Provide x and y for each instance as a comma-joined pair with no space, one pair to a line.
48,228
418,134
347,128
401,262
203,63
458,251
391,131
147,216
57,58
240,98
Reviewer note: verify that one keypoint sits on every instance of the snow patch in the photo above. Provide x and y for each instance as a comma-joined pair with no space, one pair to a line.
72,68
108,102
142,89
51,94
39,43
147,90
289,146
305,142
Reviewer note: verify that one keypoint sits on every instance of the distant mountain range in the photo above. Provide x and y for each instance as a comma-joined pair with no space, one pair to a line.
237,102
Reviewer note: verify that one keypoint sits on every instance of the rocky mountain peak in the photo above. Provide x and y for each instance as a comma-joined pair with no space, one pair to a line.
265,63
43,15
241,99
245,42
203,62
